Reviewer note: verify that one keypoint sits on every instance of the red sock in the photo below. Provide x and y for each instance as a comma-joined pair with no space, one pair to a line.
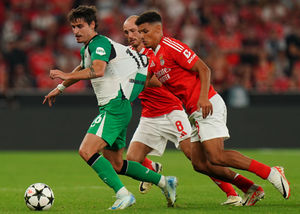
242,183
259,169
148,164
225,187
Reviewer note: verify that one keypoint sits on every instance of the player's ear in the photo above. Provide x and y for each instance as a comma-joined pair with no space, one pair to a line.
158,27
93,25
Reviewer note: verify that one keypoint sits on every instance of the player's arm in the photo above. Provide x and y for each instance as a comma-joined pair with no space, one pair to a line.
153,82
97,69
149,77
204,74
100,55
68,83
51,96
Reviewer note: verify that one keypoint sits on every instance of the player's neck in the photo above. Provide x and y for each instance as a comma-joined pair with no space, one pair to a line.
91,37
140,47
158,41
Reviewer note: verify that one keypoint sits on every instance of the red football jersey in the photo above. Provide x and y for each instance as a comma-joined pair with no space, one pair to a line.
175,62
157,101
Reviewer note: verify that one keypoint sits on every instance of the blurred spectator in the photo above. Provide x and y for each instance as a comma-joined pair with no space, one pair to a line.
22,80
274,44
295,83
293,46
251,47
14,55
41,60
130,7
263,73
222,74
3,75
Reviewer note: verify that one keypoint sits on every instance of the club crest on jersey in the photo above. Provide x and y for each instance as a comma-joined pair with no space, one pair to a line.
162,61
100,51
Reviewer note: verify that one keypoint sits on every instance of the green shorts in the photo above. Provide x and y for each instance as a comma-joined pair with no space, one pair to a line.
112,122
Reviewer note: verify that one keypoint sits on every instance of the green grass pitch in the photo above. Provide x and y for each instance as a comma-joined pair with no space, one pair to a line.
77,188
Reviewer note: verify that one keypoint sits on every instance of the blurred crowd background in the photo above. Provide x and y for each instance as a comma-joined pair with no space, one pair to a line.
250,45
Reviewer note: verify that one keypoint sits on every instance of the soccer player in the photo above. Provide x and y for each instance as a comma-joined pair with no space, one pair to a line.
188,77
117,75
162,119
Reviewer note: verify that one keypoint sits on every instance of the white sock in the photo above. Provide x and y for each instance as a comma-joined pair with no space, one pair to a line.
162,182
123,191
272,173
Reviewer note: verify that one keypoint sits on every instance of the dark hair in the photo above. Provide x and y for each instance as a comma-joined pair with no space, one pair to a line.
85,12
148,17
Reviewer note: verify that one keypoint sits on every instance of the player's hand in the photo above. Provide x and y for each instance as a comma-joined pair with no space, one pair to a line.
205,105
51,97
59,74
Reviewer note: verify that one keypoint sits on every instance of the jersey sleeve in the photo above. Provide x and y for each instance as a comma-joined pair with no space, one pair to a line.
100,49
185,56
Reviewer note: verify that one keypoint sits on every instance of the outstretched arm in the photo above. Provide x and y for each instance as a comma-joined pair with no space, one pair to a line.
56,91
95,70
204,75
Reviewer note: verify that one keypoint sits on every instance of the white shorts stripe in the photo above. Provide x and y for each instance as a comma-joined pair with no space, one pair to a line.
100,129
174,43
175,48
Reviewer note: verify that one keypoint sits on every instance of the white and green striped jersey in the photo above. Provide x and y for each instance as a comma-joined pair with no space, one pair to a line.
125,72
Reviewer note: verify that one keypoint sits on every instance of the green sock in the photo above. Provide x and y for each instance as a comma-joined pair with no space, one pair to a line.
107,173
141,173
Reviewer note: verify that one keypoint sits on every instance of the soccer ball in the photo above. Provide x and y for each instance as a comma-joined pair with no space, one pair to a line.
39,196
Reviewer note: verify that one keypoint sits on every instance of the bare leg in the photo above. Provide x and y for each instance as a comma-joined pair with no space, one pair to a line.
89,151
137,151
115,157
186,148
90,145
201,164
215,153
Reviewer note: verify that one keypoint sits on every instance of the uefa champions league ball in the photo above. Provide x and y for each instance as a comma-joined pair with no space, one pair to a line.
39,196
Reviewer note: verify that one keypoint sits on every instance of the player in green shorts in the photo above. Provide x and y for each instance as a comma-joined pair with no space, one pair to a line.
118,75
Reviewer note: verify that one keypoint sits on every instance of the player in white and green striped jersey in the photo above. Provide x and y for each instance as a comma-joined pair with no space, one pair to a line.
117,75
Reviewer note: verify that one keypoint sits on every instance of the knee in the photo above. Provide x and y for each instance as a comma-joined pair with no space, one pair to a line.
83,153
217,159
135,157
200,167
131,157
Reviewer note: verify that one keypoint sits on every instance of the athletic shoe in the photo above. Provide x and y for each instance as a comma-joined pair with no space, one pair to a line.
233,200
253,195
123,202
144,187
170,190
279,181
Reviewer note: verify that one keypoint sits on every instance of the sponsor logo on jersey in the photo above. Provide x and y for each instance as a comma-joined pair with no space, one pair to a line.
100,51
163,75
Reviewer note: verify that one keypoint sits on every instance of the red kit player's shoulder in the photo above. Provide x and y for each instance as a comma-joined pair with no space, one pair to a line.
173,44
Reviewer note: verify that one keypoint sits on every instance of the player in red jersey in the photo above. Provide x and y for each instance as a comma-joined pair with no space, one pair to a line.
162,119
188,77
